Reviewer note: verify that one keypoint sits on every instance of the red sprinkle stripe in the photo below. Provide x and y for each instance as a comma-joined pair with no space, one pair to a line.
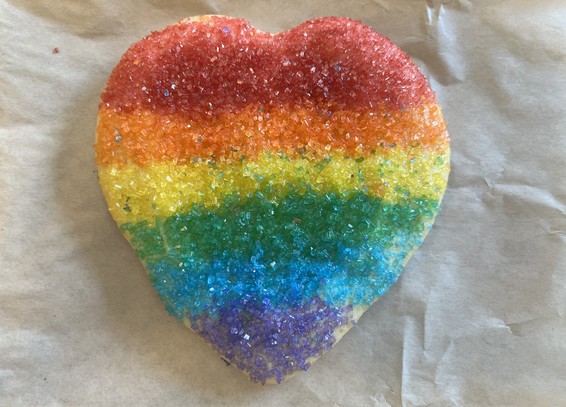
224,64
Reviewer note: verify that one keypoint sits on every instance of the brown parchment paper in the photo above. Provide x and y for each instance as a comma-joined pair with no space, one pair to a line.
478,317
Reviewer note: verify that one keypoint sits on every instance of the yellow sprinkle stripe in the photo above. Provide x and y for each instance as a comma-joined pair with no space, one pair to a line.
163,189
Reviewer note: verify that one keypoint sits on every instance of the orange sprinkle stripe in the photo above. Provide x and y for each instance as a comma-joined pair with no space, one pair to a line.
143,136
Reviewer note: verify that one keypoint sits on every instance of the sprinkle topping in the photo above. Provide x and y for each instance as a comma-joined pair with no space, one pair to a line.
274,186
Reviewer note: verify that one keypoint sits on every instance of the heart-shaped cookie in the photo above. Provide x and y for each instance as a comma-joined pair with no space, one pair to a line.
274,185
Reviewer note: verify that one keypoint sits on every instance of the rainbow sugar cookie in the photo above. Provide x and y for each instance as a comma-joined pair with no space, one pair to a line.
273,185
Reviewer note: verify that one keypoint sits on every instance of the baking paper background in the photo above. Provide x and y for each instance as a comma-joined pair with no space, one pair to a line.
477,318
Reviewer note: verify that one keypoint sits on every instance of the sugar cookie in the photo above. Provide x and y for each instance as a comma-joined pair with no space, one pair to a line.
273,185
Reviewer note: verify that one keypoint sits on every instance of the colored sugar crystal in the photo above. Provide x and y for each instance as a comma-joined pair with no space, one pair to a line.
274,186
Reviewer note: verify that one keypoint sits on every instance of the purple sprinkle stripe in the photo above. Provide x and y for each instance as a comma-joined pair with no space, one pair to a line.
268,342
